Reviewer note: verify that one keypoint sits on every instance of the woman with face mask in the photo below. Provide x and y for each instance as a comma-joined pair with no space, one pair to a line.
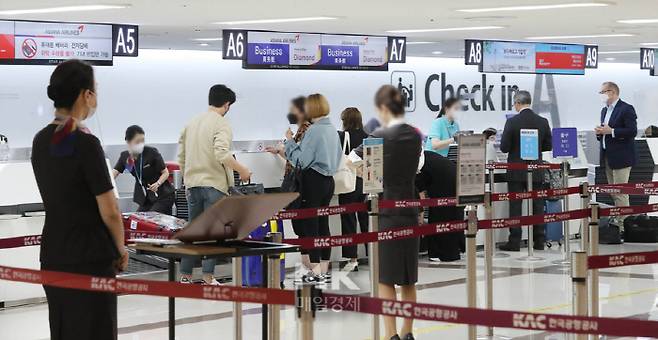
444,128
153,192
83,232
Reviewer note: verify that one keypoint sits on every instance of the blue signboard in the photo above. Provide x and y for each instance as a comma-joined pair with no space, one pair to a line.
332,55
565,143
267,54
529,144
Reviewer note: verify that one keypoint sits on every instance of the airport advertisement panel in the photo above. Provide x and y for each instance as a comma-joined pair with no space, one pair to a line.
530,57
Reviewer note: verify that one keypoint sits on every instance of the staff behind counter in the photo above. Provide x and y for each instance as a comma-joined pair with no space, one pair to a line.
152,190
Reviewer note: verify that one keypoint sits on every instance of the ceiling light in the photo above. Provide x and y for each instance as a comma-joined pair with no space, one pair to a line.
556,37
421,42
61,9
207,39
638,21
650,44
451,29
204,44
619,52
610,59
533,7
437,52
273,21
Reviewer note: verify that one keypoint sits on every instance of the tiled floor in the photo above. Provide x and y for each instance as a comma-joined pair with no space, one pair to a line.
541,287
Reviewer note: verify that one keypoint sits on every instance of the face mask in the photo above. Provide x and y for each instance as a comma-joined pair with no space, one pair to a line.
456,115
292,118
137,149
604,99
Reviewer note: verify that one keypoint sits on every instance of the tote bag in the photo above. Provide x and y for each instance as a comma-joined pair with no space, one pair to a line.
345,177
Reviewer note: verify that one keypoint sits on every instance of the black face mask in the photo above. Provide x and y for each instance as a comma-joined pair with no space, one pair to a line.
292,118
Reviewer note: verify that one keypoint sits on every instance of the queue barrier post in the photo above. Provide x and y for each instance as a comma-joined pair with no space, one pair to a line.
373,254
274,282
488,259
566,229
594,251
579,283
584,227
237,306
471,274
531,248
307,297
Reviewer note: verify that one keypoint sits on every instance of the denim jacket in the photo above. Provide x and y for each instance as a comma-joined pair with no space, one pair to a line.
319,150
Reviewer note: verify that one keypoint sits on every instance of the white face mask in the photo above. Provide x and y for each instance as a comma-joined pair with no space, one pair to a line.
136,149
604,99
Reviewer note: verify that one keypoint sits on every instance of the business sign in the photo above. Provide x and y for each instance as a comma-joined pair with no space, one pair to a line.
125,40
529,139
493,56
373,165
45,43
293,50
565,143
471,159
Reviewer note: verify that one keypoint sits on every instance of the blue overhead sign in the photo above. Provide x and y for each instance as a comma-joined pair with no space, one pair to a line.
565,143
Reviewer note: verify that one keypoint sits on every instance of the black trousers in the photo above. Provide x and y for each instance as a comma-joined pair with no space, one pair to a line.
515,209
78,314
348,221
162,205
298,227
317,191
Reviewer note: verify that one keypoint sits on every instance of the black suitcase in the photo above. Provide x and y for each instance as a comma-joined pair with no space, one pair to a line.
608,233
641,229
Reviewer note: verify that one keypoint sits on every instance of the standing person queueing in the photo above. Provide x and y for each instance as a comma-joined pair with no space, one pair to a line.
353,129
207,165
517,180
83,231
403,157
152,192
616,135
444,127
296,116
318,154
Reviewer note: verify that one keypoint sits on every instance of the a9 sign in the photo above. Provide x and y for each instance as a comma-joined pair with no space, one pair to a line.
125,40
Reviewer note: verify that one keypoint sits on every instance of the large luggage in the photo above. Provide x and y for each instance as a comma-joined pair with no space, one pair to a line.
641,229
608,233
252,266
151,224
554,231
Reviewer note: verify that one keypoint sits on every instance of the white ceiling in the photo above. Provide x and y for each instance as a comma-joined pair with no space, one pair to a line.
174,24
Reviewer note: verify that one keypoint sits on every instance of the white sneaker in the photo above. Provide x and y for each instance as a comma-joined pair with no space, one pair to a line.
435,259
185,280
213,282
351,266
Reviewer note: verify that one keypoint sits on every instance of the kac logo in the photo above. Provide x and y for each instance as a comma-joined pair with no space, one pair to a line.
405,82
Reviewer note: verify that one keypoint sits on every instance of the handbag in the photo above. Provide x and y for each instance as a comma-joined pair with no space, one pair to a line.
292,182
345,177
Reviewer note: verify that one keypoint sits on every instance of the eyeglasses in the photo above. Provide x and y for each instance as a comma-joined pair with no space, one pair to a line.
604,91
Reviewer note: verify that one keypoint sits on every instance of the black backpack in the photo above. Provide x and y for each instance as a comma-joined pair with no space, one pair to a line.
641,229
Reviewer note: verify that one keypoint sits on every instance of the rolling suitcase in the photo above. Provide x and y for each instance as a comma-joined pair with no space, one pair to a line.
641,229
554,231
252,266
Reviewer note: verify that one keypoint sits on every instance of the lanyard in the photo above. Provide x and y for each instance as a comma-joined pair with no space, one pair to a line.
140,174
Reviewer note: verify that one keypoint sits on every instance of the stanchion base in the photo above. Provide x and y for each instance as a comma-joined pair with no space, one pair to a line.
493,337
562,262
495,255
530,259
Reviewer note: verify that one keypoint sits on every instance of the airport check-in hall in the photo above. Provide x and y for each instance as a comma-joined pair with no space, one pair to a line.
299,170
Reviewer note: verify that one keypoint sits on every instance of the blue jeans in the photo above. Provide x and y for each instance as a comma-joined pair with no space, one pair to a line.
198,200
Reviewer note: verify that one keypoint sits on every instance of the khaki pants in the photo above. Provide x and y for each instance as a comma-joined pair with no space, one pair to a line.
618,176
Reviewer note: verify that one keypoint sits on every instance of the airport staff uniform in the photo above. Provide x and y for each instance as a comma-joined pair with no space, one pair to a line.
442,128
75,239
398,259
147,168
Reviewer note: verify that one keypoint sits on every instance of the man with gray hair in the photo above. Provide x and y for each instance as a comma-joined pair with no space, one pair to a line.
616,134
517,181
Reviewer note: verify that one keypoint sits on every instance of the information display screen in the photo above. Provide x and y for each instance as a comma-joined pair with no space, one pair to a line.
28,42
531,57
315,51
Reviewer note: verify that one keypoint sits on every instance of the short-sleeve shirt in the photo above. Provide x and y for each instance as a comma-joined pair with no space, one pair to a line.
441,129
147,170
74,231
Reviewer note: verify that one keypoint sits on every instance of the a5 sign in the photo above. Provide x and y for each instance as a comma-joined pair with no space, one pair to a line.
125,40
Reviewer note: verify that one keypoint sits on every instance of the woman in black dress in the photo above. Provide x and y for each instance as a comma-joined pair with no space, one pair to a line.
83,231
398,259
152,192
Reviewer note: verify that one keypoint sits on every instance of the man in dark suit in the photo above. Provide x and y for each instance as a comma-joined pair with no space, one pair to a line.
616,134
517,181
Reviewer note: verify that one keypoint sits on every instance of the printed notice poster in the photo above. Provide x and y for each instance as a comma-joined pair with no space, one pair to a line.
471,159
565,143
529,140
373,165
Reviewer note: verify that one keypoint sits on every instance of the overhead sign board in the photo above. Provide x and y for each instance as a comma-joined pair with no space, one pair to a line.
294,50
471,158
647,57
